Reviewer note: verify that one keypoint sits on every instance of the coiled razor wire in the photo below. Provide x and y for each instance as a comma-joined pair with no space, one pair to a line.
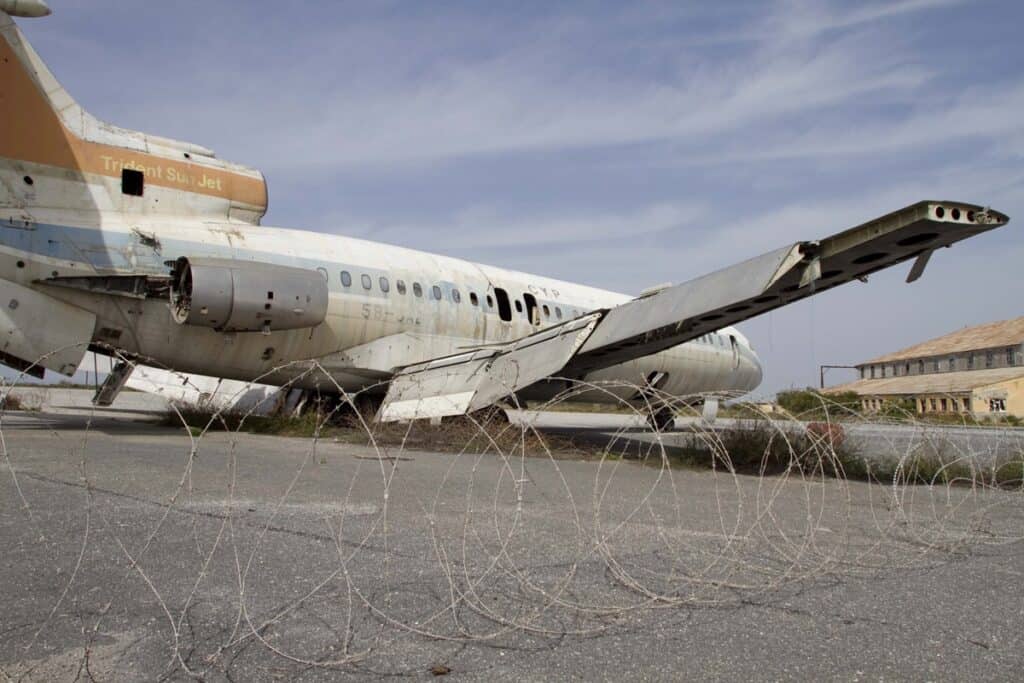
525,535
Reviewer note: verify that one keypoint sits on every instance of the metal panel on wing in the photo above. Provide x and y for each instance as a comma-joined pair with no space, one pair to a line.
465,382
678,314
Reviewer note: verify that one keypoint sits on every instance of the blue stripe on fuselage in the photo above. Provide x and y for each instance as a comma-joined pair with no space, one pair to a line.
111,252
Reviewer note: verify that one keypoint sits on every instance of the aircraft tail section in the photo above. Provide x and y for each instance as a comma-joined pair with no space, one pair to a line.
55,156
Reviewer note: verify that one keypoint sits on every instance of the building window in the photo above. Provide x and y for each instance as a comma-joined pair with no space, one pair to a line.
417,290
967,404
989,359
346,278
400,286
367,282
935,365
920,405
436,292
906,369
997,405
952,364
1011,356
931,404
385,286
920,367
970,361
872,372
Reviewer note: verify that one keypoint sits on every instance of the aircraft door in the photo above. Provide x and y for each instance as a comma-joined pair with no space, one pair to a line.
532,309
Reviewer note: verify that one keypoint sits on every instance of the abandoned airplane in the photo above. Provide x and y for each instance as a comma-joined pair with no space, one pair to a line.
151,249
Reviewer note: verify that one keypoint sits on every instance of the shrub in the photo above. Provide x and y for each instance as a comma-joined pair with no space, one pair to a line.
760,446
809,404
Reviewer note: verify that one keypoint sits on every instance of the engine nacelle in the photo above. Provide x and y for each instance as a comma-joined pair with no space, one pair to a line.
246,296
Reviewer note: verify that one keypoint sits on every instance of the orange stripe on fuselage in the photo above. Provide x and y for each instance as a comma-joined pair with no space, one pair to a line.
30,130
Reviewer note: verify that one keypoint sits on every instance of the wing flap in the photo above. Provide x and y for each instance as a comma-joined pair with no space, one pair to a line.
465,382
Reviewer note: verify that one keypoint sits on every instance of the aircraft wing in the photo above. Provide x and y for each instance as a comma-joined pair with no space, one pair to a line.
461,383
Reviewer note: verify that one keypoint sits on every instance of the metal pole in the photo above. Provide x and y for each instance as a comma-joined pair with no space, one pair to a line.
822,368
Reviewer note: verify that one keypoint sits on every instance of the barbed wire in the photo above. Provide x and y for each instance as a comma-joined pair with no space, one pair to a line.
480,530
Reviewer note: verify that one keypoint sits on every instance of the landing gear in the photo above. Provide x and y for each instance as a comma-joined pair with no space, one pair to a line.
662,419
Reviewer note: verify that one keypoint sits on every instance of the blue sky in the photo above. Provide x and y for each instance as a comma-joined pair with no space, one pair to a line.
613,144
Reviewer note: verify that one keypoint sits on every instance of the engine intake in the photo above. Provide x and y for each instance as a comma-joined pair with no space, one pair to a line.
246,296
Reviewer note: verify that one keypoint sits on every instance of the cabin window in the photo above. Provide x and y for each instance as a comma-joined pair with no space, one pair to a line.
132,182
547,311
456,297
346,278
558,312
400,286
519,306
367,282
436,292
473,299
504,308
416,289
384,284
490,301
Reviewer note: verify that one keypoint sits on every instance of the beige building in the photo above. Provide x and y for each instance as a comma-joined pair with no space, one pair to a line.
977,370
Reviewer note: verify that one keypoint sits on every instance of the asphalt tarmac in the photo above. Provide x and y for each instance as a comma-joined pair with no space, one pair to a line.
132,551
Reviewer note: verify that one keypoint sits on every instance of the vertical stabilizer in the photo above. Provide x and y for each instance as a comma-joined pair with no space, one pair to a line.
56,156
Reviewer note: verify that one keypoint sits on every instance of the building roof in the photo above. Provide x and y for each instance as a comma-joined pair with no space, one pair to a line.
987,336
932,383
